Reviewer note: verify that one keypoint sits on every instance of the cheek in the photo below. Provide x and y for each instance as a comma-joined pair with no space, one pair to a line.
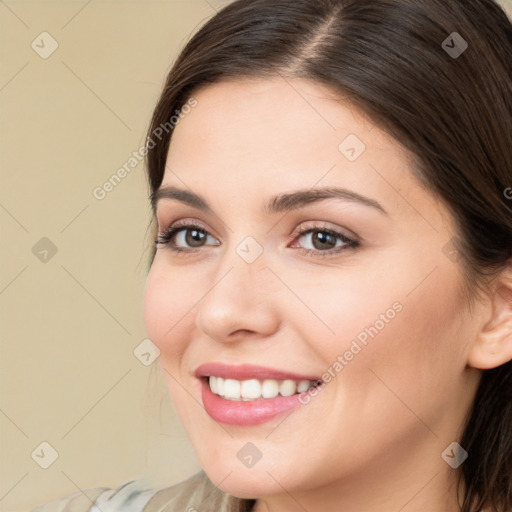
346,311
382,325
165,309
415,358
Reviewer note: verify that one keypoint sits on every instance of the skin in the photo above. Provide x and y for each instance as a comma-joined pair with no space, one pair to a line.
372,438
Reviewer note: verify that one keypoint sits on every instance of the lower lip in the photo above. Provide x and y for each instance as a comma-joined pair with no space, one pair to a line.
254,412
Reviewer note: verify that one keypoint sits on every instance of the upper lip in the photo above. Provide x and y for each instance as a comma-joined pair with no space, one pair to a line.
246,372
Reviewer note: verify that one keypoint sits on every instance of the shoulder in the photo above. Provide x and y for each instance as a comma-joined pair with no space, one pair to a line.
131,496
190,495
195,494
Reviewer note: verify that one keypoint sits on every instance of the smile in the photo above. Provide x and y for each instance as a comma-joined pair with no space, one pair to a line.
249,395
254,389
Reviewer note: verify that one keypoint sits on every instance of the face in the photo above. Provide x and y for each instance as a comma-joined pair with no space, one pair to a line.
356,289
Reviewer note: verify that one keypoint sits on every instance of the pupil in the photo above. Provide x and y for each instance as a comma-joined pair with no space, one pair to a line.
194,237
325,238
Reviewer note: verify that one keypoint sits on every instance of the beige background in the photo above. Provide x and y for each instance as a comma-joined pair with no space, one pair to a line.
70,324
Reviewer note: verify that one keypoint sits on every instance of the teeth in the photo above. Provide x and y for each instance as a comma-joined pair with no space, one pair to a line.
270,389
254,389
250,389
232,389
303,385
213,384
220,385
287,388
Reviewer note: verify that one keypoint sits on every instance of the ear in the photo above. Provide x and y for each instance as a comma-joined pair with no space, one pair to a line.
493,344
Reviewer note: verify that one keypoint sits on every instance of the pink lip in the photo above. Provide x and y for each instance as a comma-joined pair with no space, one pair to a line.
246,372
242,413
245,413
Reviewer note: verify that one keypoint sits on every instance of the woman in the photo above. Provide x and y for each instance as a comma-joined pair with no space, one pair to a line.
331,284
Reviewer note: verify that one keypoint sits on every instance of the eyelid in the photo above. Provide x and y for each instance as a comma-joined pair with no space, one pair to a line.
302,228
296,232
183,223
350,242
186,222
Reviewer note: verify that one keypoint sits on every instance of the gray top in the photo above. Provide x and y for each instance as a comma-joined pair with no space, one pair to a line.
195,494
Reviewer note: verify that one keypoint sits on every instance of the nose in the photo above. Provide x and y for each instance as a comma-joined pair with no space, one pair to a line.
242,302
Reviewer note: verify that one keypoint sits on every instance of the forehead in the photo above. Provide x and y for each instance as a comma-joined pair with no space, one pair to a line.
276,111
267,129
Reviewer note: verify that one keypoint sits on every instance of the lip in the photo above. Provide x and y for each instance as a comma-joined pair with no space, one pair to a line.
246,413
247,371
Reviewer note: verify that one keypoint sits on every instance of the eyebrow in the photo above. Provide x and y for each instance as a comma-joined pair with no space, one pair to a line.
280,203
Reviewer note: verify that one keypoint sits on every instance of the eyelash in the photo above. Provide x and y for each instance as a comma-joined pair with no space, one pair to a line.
166,237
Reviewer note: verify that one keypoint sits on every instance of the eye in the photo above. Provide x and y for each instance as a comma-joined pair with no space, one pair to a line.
189,234
189,237
324,241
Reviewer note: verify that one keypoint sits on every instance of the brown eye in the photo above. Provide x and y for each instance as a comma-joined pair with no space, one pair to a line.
194,237
325,241
322,240
184,238
190,237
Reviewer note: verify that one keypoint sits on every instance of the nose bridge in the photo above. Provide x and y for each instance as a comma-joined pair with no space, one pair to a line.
239,296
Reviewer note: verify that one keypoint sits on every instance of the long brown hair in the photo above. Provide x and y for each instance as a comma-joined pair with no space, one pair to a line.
434,74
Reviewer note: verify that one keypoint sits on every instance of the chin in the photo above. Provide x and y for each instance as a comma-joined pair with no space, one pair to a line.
264,478
246,485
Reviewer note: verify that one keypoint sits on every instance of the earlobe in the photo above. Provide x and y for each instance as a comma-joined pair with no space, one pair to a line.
493,344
